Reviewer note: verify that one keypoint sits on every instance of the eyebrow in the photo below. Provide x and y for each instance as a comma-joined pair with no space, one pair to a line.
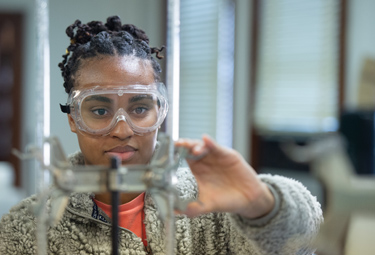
140,97
99,98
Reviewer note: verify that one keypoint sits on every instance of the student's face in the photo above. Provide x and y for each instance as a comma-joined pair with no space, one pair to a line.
121,141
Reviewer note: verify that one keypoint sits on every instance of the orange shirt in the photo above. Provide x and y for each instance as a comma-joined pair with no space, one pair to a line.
131,215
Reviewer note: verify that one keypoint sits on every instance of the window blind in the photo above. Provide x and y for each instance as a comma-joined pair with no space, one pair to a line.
297,84
206,81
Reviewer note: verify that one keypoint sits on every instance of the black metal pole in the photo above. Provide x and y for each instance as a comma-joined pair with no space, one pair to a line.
115,164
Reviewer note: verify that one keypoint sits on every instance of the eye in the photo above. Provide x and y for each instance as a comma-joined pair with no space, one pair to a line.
140,110
100,112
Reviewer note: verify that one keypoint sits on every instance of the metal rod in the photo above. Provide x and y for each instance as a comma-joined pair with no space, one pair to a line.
43,116
173,67
170,226
43,87
115,165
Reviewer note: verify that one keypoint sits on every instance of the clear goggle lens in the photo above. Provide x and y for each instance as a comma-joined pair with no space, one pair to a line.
101,111
97,110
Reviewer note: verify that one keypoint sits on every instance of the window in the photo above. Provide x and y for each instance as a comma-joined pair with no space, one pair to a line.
206,90
297,84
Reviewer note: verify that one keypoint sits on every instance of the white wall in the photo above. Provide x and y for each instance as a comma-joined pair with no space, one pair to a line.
360,44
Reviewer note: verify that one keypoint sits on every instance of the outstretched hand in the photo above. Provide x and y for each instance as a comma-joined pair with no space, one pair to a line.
226,182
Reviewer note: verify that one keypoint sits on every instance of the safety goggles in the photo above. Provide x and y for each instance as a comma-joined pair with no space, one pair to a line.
98,109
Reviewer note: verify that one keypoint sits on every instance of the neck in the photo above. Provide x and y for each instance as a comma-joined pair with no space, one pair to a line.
124,197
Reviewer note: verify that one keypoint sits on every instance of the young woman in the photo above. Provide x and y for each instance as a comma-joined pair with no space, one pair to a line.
116,105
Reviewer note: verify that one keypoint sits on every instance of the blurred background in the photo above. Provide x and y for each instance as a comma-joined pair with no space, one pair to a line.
253,74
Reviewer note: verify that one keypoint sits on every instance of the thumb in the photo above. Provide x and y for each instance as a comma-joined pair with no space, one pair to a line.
196,208
212,145
209,142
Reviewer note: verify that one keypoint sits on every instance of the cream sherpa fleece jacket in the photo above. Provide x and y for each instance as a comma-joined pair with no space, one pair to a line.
289,231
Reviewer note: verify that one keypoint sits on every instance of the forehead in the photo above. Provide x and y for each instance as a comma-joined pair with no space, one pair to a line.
113,70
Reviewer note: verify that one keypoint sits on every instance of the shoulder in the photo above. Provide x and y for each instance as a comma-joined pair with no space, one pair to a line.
21,210
19,223
76,158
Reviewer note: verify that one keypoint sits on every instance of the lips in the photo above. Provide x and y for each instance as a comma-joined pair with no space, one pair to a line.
122,149
124,153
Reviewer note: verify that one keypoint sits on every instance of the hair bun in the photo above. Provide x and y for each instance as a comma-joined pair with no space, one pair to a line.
113,23
70,29
135,32
96,27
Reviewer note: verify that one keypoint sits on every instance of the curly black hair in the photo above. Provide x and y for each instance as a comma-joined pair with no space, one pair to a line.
95,38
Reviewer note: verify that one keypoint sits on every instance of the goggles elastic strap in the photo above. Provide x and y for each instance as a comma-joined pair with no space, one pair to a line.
65,108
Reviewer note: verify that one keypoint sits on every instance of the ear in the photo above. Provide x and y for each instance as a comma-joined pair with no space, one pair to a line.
72,124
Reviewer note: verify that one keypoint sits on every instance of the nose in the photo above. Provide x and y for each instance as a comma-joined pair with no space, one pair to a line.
121,130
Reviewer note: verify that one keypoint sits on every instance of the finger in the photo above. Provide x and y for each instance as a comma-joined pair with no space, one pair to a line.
195,208
209,142
185,142
195,147
199,149
211,145
196,144
199,156
216,149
